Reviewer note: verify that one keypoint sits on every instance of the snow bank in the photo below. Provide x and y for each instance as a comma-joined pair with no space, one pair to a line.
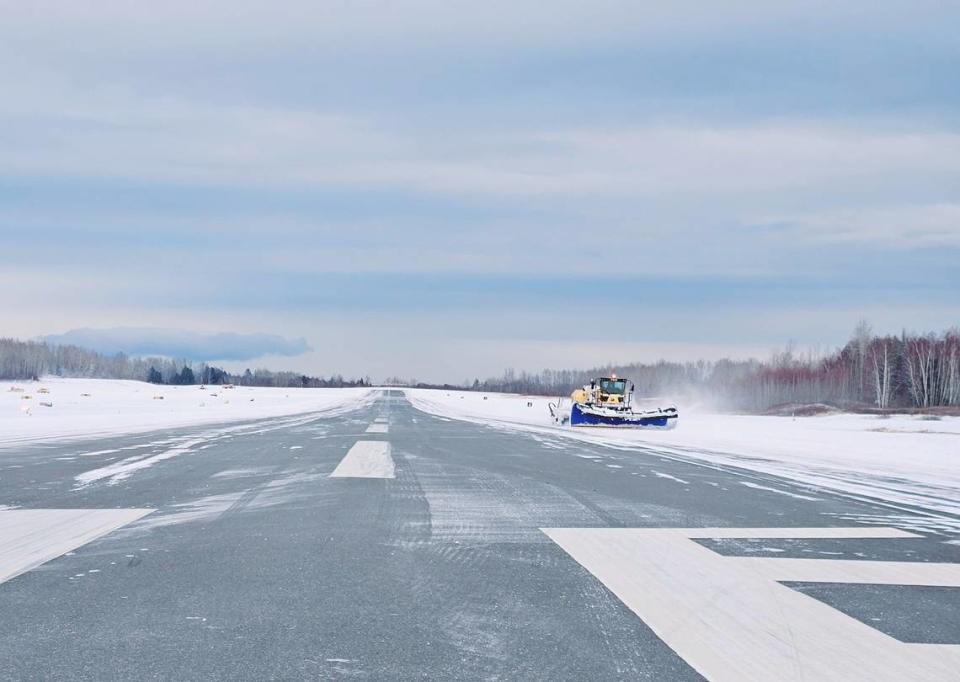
899,459
88,408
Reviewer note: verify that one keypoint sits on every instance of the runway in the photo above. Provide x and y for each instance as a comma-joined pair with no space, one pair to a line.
390,544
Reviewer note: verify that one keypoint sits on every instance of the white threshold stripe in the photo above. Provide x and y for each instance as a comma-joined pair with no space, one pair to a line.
730,618
378,428
31,537
366,459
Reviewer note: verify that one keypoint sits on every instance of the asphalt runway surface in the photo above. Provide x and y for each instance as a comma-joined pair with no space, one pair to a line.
426,558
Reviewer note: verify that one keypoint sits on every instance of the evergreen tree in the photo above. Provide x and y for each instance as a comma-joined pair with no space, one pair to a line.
186,377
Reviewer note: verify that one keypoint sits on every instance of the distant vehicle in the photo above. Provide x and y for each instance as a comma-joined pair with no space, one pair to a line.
608,401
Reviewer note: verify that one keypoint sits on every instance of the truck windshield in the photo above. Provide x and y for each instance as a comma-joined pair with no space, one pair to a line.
615,386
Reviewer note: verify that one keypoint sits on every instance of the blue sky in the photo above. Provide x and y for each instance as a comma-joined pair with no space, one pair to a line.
442,190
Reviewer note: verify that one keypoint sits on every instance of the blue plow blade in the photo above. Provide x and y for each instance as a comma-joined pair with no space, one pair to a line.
580,417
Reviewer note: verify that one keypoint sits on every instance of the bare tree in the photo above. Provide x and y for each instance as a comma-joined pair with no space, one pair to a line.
882,372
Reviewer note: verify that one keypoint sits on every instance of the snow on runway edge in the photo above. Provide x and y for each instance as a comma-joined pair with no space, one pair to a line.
94,408
898,459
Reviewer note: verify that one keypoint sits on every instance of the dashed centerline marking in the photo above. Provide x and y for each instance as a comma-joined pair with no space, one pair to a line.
730,618
31,537
366,459
378,428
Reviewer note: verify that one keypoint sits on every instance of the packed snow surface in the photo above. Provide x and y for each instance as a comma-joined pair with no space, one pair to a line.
899,459
55,408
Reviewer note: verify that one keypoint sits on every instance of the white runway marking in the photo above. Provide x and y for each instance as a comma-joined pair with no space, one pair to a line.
30,537
378,428
731,619
366,459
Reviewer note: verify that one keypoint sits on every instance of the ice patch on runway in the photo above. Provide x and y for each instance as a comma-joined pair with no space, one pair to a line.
294,478
293,486
366,459
31,537
96,453
203,509
241,473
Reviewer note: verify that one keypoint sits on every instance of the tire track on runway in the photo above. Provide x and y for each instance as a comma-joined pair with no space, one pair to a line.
452,587
606,517
482,579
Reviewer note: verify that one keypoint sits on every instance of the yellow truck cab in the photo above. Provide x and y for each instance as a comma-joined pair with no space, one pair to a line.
603,391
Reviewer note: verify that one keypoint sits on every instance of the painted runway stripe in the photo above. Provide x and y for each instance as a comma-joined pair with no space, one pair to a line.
31,537
378,428
366,459
730,618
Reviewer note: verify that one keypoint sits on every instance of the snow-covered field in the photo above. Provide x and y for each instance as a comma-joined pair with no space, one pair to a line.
899,459
57,408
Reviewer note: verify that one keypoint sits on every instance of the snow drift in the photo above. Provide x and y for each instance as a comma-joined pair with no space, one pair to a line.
56,408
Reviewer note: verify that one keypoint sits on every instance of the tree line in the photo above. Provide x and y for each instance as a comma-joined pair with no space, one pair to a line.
24,360
883,372
913,371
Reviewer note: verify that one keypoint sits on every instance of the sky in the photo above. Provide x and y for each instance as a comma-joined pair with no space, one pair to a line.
441,190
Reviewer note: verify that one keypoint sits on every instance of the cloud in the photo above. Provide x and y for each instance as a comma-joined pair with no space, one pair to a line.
260,25
901,227
149,140
181,344
330,160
